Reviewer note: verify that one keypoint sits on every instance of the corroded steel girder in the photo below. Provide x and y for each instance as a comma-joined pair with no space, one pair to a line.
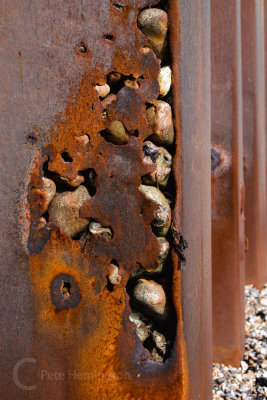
65,327
228,274
194,97
254,140
264,277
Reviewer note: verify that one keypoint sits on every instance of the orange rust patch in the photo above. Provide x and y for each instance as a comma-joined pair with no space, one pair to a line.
96,338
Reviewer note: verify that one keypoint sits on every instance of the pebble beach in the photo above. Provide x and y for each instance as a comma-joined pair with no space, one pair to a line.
249,381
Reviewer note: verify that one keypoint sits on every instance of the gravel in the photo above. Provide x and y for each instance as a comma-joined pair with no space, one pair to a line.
249,381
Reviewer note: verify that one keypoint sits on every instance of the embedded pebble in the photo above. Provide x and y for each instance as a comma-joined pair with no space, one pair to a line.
160,341
151,295
163,160
114,277
116,133
64,211
41,223
102,90
95,228
82,140
249,381
164,248
162,220
136,318
153,22
77,181
159,117
165,81
132,83
49,187
154,356
143,330
46,193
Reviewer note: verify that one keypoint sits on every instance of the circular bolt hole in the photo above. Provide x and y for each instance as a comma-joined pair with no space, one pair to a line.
65,292
65,289
82,48
32,137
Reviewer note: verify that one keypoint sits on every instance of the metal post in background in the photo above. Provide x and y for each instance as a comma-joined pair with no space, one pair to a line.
254,131
228,275
265,64
195,193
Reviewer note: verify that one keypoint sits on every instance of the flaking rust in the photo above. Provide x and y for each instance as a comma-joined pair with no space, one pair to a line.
100,195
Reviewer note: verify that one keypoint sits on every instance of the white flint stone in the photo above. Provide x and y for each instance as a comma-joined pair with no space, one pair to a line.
152,295
165,81
162,219
159,117
102,90
114,277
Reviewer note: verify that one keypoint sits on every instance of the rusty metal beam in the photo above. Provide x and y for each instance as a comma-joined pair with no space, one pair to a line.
228,274
265,64
195,181
64,332
254,140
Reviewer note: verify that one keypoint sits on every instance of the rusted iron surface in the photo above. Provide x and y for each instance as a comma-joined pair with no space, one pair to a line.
265,66
254,140
59,315
65,332
194,101
228,274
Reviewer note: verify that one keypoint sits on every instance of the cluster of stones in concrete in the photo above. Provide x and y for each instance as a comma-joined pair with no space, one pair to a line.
63,209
